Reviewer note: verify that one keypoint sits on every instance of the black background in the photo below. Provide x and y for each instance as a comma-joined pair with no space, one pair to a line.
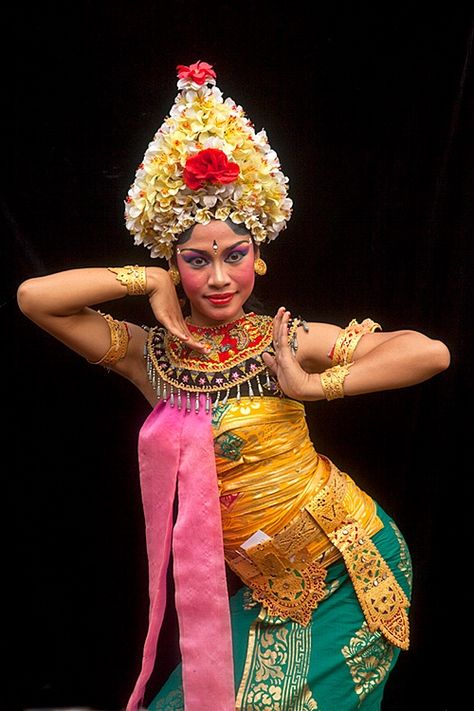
369,106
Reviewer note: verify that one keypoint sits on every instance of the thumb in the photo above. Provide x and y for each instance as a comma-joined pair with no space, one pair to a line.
269,361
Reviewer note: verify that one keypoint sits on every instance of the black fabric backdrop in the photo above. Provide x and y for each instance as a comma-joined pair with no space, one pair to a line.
369,107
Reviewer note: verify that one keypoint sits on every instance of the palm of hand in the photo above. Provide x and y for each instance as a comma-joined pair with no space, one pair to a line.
292,378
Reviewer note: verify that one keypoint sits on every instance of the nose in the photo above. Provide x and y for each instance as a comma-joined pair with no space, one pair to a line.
218,277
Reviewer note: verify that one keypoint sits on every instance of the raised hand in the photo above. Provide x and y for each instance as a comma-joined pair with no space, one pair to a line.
292,379
166,307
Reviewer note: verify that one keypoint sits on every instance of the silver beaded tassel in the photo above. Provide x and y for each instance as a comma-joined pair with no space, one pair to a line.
174,395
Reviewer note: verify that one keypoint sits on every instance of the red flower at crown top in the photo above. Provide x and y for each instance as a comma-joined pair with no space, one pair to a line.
199,72
210,165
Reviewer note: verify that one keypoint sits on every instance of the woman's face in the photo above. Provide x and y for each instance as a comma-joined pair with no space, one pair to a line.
217,273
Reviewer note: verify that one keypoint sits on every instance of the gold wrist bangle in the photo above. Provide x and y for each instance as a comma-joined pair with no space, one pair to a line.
132,277
332,381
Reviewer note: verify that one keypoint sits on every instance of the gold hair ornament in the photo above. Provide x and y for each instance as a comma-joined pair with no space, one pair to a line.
132,277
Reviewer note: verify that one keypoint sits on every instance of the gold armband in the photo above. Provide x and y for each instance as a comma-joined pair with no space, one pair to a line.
119,338
133,277
332,381
349,337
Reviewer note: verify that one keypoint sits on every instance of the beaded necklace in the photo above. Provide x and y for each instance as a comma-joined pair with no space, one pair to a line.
233,367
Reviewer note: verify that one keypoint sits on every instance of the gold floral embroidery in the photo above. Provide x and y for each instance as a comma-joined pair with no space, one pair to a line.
369,657
273,655
276,668
246,338
294,594
243,336
309,703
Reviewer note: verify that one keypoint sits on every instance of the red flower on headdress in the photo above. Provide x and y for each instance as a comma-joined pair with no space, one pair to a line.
199,72
212,165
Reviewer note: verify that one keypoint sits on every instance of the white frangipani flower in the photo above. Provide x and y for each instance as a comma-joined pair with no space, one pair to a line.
205,162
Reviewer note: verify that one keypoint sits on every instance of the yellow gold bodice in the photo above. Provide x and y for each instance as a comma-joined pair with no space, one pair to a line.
268,470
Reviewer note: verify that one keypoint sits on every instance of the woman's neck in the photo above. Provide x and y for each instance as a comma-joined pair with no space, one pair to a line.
198,321
212,325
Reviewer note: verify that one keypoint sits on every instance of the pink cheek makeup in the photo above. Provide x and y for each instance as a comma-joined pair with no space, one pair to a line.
247,273
243,275
192,280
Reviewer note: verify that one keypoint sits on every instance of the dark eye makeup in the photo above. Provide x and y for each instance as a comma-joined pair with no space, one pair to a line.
234,257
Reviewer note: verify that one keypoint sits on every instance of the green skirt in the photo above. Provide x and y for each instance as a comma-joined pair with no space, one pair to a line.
335,663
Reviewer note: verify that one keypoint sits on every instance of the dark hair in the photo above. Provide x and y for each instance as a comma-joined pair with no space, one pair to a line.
253,303
237,229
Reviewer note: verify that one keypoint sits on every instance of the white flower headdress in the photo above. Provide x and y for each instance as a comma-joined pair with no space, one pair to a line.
205,162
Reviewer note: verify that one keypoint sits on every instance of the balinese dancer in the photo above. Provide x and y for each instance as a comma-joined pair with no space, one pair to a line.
322,612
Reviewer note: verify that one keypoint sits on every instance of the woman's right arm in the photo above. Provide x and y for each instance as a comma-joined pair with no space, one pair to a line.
60,304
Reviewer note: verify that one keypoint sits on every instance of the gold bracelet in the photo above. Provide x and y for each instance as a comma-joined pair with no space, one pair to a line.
332,381
349,337
119,338
133,277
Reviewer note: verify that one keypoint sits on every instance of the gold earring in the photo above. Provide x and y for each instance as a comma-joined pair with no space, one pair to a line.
260,267
174,275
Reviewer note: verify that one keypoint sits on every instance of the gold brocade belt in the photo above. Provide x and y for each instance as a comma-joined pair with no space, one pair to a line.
286,571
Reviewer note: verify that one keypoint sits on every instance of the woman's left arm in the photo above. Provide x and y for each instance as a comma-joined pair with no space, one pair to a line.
404,359
381,361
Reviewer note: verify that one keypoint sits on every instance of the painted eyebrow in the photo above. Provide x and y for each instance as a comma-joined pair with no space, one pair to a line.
208,254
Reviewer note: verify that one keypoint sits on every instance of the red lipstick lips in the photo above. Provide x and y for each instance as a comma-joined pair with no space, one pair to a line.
220,298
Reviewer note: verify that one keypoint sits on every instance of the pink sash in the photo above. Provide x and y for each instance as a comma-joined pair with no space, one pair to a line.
177,446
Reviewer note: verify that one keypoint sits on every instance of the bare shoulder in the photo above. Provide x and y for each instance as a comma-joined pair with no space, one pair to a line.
315,340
